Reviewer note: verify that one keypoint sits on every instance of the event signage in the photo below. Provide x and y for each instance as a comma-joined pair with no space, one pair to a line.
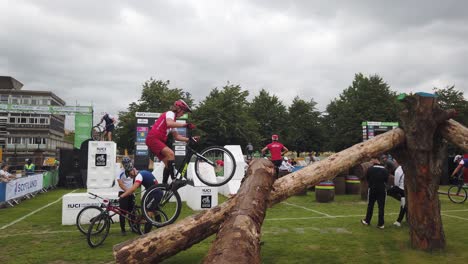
51,109
22,186
372,129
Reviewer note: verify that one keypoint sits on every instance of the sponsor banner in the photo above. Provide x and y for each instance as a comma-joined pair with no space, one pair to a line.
142,121
58,110
147,115
142,132
22,186
83,126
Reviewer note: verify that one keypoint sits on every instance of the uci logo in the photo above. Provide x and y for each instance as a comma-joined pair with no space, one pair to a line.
206,190
74,206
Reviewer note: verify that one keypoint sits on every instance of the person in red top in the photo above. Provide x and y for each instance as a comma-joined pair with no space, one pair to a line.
276,150
157,137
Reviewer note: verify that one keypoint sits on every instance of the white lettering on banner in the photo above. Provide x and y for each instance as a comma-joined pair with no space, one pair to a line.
179,153
141,147
22,186
142,121
179,147
147,115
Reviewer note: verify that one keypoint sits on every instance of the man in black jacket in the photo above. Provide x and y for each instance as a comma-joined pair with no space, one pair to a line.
377,177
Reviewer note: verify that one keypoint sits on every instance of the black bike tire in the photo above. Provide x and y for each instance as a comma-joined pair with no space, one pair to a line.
99,128
462,191
83,230
169,219
102,217
226,178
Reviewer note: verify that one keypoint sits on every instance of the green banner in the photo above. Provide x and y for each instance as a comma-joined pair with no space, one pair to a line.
83,126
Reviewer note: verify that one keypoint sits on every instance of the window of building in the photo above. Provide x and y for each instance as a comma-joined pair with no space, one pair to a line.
12,120
33,101
23,120
4,98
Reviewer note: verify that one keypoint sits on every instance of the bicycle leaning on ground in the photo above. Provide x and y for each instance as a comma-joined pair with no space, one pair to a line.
214,166
457,193
94,221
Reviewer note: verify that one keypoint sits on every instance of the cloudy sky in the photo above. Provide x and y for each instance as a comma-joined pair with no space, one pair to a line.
100,52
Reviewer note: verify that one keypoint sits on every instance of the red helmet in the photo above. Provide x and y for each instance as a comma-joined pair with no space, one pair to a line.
183,105
274,137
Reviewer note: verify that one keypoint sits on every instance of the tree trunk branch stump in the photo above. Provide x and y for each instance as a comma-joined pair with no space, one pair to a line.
238,240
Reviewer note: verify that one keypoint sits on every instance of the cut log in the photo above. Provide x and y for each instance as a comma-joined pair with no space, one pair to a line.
165,242
456,133
169,240
238,240
421,164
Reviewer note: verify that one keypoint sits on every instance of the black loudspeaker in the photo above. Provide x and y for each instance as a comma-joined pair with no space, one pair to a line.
69,164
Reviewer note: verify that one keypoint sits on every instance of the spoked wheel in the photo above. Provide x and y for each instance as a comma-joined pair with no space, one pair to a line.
96,133
215,166
139,224
161,206
86,216
98,230
457,194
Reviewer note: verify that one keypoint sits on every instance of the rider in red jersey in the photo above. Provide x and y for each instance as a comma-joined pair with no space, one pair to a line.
157,137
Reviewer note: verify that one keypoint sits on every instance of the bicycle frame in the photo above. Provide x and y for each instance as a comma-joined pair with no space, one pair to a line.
116,210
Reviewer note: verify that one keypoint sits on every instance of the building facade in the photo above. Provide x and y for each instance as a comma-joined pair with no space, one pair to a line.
29,134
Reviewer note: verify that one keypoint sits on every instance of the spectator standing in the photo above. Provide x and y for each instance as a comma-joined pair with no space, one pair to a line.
29,167
127,203
276,150
376,176
399,184
249,149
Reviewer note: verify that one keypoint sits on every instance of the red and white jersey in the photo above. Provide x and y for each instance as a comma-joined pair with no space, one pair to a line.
160,129
275,149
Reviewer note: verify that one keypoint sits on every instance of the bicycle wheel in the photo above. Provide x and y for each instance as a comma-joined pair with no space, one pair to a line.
98,230
96,133
215,166
85,216
457,194
161,206
139,223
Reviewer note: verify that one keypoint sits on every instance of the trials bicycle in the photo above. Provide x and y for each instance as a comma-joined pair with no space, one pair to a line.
457,193
213,166
98,132
94,221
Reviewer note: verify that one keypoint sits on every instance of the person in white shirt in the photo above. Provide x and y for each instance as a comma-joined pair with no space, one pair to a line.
285,165
126,203
399,183
5,176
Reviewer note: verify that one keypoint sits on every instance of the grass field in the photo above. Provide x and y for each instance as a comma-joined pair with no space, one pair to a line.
298,230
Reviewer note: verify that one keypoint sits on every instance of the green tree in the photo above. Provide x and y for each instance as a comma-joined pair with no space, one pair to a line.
367,99
156,97
451,98
223,119
270,114
304,131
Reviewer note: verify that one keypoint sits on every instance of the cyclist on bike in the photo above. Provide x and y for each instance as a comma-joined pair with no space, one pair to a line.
459,170
157,137
276,150
144,178
110,122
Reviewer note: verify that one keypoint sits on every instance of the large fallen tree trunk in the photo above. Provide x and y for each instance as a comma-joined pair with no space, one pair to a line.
238,239
165,242
421,162
455,133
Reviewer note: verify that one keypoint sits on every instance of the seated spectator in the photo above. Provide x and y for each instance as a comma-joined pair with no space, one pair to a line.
5,176
285,165
29,167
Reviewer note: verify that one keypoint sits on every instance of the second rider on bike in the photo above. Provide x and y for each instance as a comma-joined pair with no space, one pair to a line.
157,137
